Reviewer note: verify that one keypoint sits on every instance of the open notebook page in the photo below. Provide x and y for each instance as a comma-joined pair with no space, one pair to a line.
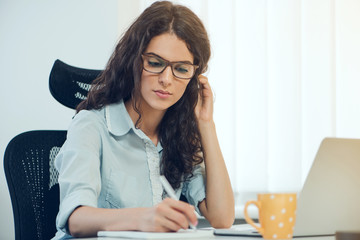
181,234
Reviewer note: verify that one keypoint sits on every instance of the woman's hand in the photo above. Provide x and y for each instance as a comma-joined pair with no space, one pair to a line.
204,107
169,215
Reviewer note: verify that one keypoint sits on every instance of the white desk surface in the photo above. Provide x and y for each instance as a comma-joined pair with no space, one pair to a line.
219,237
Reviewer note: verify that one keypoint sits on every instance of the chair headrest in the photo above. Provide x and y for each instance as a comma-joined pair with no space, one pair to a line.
69,85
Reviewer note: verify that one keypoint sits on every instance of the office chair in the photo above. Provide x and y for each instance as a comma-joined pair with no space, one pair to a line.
29,157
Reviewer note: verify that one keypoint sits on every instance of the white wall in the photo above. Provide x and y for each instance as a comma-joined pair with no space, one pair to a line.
33,34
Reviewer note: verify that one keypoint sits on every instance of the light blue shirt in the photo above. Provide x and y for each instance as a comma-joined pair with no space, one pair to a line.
107,163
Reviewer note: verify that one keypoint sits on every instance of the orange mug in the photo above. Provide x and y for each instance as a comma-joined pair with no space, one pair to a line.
277,212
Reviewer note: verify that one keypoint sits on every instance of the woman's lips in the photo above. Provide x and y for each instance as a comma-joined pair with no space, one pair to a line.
162,94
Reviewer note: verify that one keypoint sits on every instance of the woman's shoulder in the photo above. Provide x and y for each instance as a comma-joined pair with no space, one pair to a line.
100,119
89,117
90,114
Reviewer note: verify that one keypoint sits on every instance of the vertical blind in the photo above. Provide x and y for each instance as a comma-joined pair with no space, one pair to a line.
285,75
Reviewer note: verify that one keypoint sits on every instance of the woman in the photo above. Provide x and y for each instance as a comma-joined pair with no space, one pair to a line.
150,113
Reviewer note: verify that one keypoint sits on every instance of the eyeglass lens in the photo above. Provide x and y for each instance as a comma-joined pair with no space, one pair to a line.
155,64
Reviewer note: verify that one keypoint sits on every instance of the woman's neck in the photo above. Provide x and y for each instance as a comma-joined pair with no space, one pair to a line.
150,120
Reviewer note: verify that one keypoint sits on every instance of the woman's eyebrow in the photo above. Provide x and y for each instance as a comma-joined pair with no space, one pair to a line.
186,61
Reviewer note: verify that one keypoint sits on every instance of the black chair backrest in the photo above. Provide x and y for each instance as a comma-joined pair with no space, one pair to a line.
69,85
32,182
29,157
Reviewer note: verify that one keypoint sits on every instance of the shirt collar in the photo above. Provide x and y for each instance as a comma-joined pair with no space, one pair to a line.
119,123
118,120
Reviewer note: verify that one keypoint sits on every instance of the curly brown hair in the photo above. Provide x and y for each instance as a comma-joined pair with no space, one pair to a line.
178,132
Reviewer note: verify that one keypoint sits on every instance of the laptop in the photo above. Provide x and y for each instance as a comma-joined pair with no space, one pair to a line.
330,198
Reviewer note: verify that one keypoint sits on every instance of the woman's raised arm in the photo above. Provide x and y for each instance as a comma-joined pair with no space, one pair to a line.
218,207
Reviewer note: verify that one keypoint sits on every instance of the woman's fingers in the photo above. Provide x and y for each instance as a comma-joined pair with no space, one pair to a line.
172,218
204,107
184,212
172,215
205,86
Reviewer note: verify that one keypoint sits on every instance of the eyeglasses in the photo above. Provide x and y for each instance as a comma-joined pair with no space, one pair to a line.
156,64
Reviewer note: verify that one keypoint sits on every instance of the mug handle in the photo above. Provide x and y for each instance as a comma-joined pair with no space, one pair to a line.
248,219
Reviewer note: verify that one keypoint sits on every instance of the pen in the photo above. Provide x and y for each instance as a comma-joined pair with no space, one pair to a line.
170,191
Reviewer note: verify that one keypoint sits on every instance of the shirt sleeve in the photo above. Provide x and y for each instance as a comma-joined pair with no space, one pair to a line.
194,188
78,163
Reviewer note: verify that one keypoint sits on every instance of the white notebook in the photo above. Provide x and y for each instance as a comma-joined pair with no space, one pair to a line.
181,234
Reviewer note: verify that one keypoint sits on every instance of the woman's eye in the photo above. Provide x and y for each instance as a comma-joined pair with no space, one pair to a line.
155,63
182,69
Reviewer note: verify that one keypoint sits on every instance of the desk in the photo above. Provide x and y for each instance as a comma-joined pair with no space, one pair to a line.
203,223
220,238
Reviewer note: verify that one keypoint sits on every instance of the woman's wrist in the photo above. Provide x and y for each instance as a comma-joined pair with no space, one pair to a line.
124,219
135,219
205,125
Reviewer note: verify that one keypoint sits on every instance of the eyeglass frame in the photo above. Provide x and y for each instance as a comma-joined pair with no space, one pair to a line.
168,63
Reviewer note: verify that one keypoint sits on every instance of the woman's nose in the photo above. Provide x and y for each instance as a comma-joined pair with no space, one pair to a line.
166,76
